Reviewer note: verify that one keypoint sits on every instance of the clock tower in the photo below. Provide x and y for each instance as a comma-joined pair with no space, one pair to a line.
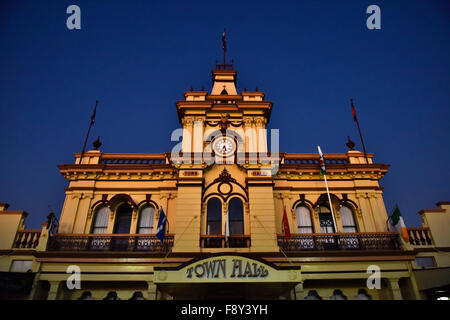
223,121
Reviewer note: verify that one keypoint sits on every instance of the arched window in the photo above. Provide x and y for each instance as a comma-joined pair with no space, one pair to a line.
362,295
304,220
146,219
214,216
338,295
236,216
326,220
313,295
348,222
101,220
123,219
86,295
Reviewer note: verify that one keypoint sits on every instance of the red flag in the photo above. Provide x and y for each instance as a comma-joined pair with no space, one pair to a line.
286,230
354,112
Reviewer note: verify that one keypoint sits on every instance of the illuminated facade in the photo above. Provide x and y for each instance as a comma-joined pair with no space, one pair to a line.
225,173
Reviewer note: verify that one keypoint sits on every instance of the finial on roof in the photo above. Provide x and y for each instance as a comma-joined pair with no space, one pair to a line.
256,89
97,143
350,144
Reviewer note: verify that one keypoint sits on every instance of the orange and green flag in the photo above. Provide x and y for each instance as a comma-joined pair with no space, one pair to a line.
399,223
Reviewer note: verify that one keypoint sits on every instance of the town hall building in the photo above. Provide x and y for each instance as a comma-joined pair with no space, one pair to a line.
224,194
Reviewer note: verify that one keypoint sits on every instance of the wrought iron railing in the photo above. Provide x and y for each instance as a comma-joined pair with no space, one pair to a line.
339,241
27,239
109,242
420,236
219,241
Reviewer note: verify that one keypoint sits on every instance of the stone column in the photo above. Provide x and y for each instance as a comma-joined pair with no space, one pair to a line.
315,220
396,294
254,137
262,226
134,221
300,293
249,137
54,290
198,135
186,144
151,290
262,135
112,218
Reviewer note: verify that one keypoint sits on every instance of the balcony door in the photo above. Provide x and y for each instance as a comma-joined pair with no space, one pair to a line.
123,219
326,220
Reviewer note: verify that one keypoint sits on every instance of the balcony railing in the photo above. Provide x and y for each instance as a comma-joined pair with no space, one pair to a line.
27,239
219,241
154,159
339,241
109,242
420,236
295,158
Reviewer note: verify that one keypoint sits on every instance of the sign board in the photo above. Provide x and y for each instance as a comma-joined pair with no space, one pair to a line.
227,268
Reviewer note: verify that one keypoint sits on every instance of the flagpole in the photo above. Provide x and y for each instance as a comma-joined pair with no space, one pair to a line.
89,130
328,192
359,130
224,46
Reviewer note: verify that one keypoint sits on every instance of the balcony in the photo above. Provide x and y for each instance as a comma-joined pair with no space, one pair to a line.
420,236
218,241
27,239
339,241
109,242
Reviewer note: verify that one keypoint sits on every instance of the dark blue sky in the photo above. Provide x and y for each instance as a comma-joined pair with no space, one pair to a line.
309,57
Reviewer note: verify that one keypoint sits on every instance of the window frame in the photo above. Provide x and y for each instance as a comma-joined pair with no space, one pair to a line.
220,216
354,226
94,220
152,223
242,220
311,226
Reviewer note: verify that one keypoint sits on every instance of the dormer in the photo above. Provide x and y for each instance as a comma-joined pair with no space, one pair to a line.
224,82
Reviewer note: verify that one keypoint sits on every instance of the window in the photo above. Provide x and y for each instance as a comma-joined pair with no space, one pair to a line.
313,295
338,295
326,220
86,295
425,262
123,219
362,295
101,220
236,218
137,295
146,219
214,216
21,266
348,222
304,220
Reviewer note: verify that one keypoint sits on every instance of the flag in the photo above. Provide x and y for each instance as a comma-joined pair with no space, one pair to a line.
224,41
354,112
321,162
399,224
286,230
161,230
93,114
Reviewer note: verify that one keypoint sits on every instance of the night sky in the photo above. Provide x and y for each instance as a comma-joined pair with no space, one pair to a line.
309,57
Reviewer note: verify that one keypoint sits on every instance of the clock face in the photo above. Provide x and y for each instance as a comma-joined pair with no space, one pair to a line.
224,146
